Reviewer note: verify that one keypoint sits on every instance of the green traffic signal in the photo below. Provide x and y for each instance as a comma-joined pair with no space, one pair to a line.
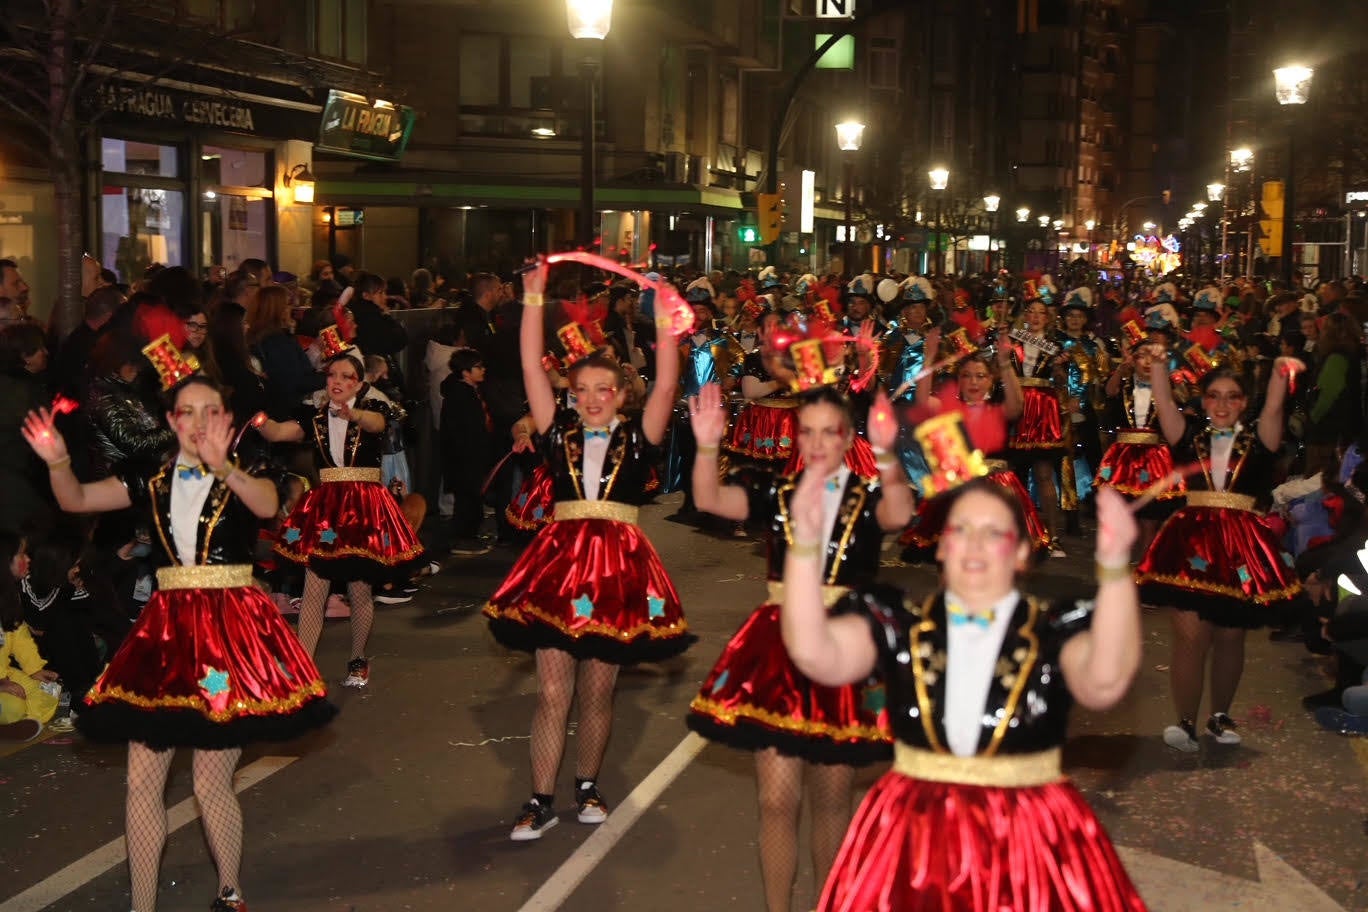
748,234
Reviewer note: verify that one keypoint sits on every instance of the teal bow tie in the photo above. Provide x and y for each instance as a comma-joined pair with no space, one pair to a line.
600,433
1218,433
187,472
959,616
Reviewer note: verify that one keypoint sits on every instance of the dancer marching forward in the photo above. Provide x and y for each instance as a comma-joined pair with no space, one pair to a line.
976,813
209,664
754,698
590,593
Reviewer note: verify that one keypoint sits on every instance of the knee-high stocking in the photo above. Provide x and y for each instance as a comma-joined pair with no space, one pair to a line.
555,691
1191,642
594,690
145,820
219,811
779,783
362,616
830,789
1227,664
1048,495
311,610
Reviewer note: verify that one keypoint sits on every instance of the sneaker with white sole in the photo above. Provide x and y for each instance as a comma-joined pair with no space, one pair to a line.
1182,737
592,807
393,597
1221,727
535,819
358,673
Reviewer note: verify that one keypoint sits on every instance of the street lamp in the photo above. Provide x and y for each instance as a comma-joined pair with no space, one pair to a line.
1023,214
849,135
1291,86
991,202
1043,221
1242,162
940,179
1090,224
589,21
1216,193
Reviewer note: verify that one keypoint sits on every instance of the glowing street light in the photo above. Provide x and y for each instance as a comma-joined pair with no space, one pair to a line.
1241,158
589,18
1292,87
1149,227
939,177
1215,191
1043,221
991,202
1023,214
849,135
1292,84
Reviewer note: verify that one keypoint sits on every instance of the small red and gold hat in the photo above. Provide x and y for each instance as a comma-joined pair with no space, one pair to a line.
331,343
172,367
958,346
810,367
948,452
580,340
1135,332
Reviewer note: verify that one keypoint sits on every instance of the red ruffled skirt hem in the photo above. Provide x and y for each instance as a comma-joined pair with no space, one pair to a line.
859,459
764,432
1040,425
533,505
351,530
1132,467
925,530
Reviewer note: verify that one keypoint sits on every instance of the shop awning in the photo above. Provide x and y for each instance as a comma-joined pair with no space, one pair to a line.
443,192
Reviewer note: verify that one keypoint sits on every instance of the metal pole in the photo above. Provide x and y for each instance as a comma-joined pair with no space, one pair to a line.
847,265
1289,206
935,244
1225,234
588,167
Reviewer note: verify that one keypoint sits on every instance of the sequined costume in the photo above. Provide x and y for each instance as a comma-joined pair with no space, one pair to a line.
590,583
1217,556
1040,427
765,428
1001,829
532,505
705,357
209,663
1139,457
754,698
350,528
1086,362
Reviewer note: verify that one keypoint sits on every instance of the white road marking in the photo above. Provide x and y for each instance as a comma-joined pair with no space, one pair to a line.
1169,885
593,850
115,852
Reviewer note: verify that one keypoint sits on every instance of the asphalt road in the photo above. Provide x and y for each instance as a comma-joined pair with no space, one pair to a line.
405,802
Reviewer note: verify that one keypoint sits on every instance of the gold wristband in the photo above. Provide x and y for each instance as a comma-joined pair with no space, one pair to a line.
1107,574
534,299
58,463
803,550
708,449
885,460
228,468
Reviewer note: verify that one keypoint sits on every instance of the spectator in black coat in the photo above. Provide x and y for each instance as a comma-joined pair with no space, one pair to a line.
466,448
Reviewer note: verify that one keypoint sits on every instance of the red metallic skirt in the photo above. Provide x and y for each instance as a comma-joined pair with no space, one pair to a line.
351,530
764,432
1040,426
1225,564
207,668
594,588
1132,467
859,459
925,529
919,846
530,508
754,698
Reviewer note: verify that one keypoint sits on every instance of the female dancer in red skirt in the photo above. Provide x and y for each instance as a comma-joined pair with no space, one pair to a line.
766,426
754,698
1037,444
209,664
975,813
975,380
1139,457
349,529
589,594
1215,560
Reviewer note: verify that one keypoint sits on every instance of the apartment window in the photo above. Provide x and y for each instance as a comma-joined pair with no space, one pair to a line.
339,28
729,128
228,15
883,63
528,59
480,59
518,72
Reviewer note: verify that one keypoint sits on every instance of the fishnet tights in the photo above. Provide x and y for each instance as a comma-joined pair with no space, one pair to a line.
314,602
560,676
1047,493
1193,638
779,783
145,816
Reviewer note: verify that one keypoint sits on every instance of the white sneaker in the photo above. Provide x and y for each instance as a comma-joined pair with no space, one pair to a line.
1182,737
1221,727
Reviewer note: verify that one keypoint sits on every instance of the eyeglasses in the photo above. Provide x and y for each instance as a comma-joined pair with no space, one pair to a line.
196,326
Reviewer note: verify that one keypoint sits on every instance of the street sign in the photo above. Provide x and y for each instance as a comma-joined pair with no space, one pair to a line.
835,9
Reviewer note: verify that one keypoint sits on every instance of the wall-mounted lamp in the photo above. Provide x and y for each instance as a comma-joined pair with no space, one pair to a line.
301,179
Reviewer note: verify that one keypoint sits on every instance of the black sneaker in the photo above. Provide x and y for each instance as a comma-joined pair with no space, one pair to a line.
1222,728
229,901
592,807
534,820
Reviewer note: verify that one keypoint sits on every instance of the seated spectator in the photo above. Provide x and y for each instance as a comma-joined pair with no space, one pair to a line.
421,290
25,706
396,293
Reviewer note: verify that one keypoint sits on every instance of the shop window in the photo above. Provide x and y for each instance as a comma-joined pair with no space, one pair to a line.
232,229
127,157
141,226
221,166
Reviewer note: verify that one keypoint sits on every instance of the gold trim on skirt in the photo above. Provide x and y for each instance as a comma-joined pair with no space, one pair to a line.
205,576
596,509
830,594
1222,499
999,770
349,474
1149,437
1036,382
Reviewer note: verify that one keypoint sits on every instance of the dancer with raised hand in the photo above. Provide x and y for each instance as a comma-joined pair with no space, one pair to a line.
976,812
754,698
589,594
209,664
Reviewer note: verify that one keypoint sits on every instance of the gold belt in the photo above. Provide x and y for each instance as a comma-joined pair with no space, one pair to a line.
596,509
777,402
208,576
1004,770
1222,499
1150,437
1037,382
830,594
327,475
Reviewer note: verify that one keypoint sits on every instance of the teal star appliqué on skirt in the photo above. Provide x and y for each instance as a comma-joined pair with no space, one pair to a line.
875,699
655,606
292,535
1198,563
721,680
584,606
327,536
214,682
1106,473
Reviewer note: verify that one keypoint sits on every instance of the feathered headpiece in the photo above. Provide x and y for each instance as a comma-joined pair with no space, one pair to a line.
1208,298
1165,293
172,367
806,282
1080,298
917,289
769,279
862,286
699,291
1046,289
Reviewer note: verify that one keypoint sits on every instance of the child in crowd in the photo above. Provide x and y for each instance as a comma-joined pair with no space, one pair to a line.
467,447
25,705
394,467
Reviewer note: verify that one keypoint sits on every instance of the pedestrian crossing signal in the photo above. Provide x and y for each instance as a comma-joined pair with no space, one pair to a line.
748,234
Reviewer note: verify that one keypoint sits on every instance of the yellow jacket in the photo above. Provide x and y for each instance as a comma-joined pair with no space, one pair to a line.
18,645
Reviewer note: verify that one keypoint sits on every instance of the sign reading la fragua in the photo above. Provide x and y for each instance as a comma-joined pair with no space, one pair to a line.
176,107
354,125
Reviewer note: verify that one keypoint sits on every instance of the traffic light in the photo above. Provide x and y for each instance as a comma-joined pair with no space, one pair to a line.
770,213
748,234
1272,222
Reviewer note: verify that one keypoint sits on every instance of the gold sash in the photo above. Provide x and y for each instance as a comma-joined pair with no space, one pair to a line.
207,576
1001,770
596,509
1222,499
347,474
830,594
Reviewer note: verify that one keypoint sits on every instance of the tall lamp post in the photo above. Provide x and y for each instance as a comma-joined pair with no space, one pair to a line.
589,21
849,135
940,179
1090,224
1292,86
991,202
1216,194
1242,161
